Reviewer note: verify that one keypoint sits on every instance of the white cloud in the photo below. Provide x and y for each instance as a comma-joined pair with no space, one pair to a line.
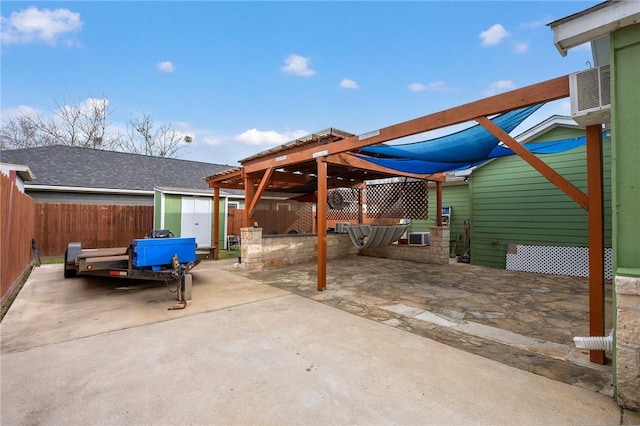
500,86
166,66
212,141
19,111
33,24
493,35
434,86
255,137
348,84
297,65
521,47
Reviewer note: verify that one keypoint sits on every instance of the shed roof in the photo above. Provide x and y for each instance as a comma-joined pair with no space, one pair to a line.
72,166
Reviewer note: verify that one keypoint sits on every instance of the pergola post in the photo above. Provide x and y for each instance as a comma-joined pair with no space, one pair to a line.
321,213
249,193
439,203
216,222
596,237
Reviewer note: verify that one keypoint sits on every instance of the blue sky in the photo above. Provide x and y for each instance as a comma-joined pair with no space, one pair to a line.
242,77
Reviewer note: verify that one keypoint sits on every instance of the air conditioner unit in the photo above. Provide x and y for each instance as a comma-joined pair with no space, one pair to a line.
590,96
419,238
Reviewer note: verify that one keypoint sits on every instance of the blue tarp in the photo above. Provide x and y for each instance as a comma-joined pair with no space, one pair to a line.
429,167
466,146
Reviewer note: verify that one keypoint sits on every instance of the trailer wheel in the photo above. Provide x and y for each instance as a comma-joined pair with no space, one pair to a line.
68,272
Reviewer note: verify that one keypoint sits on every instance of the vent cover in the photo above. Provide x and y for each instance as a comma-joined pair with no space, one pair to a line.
591,96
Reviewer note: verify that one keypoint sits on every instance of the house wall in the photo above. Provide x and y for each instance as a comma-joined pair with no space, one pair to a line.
172,213
512,203
625,62
220,242
86,198
157,209
456,196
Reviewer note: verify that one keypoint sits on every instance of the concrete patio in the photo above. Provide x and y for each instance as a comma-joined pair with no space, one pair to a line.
99,351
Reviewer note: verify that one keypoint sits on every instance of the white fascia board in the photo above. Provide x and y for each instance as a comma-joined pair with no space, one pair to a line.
24,172
55,188
543,127
591,25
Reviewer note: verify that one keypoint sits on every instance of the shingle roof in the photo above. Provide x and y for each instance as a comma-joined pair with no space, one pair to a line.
62,165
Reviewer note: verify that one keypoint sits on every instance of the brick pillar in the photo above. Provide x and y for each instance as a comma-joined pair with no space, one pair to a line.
627,355
251,248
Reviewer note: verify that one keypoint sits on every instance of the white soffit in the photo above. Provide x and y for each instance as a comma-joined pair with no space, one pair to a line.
594,23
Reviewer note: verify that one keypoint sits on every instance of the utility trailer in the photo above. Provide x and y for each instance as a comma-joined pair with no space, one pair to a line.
162,258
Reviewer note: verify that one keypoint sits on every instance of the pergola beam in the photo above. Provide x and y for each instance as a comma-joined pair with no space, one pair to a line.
344,159
546,91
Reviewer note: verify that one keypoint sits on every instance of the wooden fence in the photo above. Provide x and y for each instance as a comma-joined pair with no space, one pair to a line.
280,221
92,225
17,215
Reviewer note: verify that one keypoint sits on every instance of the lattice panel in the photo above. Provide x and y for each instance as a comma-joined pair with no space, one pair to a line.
398,200
343,204
572,261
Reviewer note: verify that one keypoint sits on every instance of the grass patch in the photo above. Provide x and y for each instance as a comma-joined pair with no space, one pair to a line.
228,254
51,260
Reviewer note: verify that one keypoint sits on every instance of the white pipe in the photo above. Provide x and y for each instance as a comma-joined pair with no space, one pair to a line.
595,343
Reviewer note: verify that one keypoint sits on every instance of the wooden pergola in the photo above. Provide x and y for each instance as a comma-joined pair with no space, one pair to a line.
322,161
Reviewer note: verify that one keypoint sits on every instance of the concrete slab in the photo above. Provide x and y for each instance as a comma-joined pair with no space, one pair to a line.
52,309
256,357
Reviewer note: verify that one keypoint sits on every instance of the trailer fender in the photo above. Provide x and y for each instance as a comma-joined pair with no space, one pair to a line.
70,255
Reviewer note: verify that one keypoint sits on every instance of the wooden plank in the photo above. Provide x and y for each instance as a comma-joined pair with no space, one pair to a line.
596,237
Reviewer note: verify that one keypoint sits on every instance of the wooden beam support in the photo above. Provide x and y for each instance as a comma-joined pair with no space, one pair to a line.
322,223
348,160
549,173
596,237
545,91
216,222
251,208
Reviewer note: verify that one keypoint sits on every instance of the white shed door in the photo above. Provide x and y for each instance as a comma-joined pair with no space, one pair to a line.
196,220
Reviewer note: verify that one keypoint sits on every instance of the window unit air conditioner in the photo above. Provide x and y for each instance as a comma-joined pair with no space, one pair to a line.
590,96
419,238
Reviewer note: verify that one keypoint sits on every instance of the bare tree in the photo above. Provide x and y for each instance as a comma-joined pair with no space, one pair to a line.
142,138
83,124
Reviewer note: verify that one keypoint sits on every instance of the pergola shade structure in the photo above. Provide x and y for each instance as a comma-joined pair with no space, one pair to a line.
333,159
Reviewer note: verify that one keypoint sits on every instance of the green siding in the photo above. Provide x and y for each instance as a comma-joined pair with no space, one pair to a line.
514,204
626,127
172,213
157,209
456,196
223,223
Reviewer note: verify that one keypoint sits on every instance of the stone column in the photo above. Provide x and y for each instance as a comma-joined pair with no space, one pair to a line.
251,248
439,242
628,341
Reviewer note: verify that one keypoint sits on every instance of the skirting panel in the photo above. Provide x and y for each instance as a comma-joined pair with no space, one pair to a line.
572,261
